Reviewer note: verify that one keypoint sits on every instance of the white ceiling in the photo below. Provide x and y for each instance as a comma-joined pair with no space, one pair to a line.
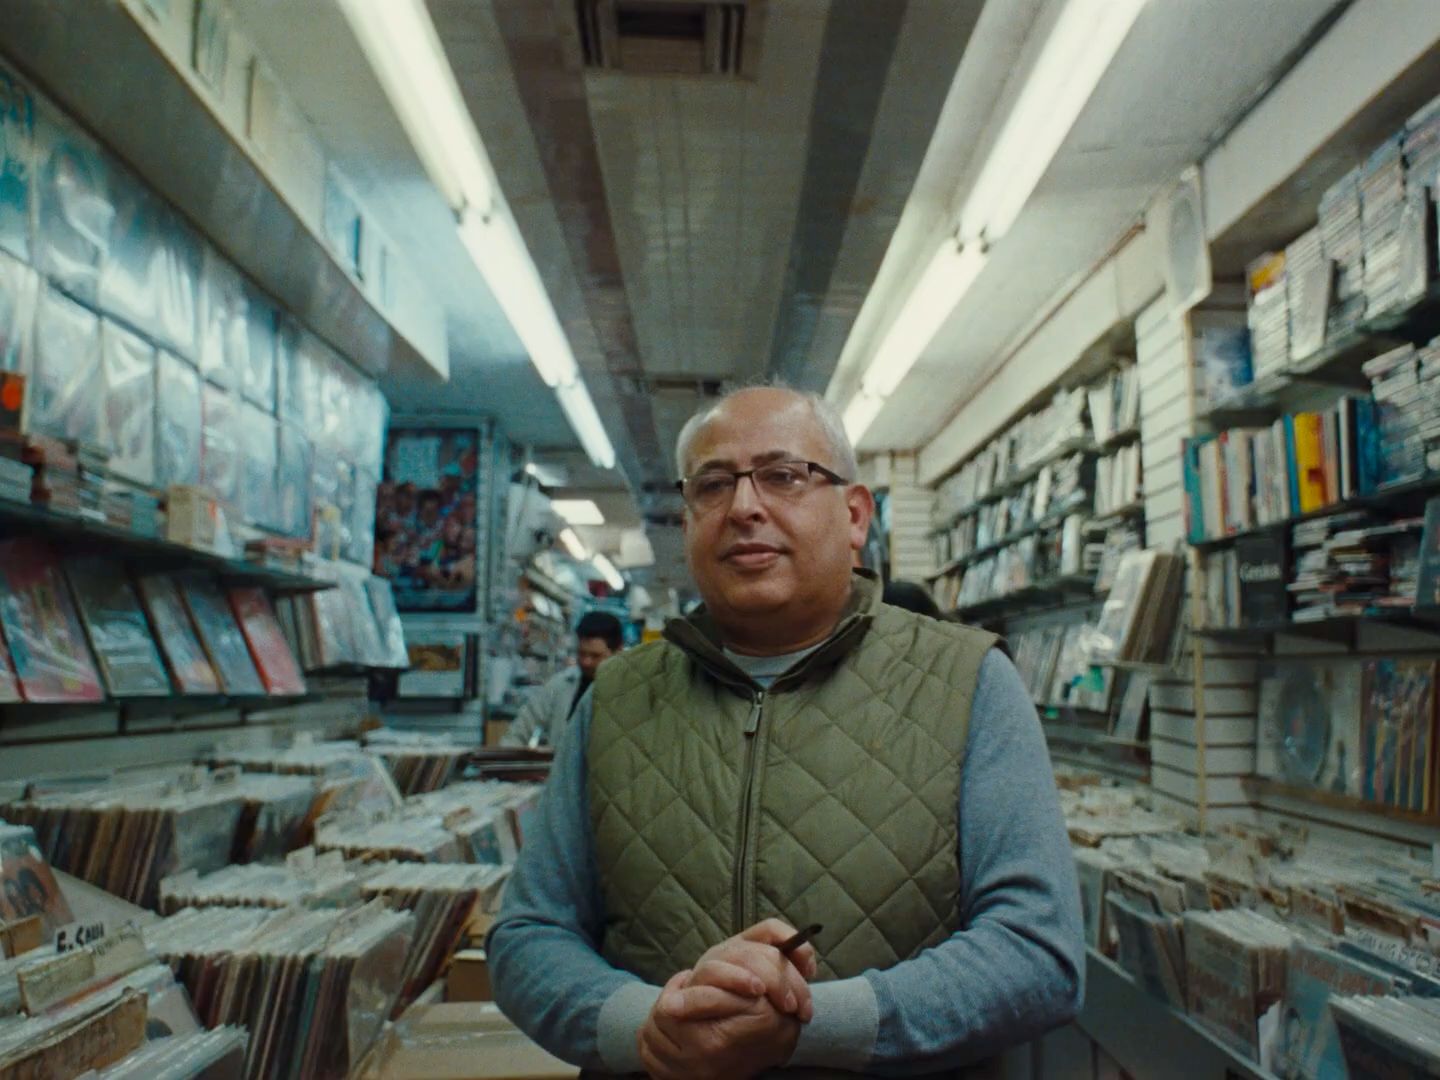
698,230
1186,70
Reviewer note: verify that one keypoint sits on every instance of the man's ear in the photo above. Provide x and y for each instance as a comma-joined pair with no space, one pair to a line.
861,505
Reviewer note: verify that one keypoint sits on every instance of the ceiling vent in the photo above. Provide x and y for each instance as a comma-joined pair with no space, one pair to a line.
666,37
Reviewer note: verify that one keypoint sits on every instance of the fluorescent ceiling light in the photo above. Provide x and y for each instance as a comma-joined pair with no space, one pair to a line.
860,414
1080,48
578,551
946,279
580,410
498,250
609,573
578,511
402,46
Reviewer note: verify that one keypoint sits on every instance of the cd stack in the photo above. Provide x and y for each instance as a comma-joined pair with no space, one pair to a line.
1318,583
57,475
16,478
1400,405
1422,162
1382,203
1343,245
1430,394
1269,315
1307,290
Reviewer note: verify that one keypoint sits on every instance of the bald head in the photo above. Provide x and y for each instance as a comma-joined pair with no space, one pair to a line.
770,400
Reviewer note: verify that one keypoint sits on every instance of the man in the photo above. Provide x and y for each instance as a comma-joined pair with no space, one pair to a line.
546,713
797,753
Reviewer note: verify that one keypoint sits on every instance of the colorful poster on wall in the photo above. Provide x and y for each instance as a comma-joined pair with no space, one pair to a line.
426,518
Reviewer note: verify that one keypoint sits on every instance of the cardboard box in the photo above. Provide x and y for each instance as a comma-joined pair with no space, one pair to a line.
467,1041
469,977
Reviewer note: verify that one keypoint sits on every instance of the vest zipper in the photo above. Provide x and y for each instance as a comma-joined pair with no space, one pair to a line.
747,787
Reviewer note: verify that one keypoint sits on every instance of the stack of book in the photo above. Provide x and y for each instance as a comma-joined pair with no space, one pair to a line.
1269,315
1382,200
1343,565
1308,275
1117,480
1342,240
1404,412
1114,404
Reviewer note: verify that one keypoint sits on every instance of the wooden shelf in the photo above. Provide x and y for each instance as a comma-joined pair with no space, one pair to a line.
1412,492
144,553
1258,786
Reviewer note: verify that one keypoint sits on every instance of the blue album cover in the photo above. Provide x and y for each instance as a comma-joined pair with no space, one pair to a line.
74,208
17,153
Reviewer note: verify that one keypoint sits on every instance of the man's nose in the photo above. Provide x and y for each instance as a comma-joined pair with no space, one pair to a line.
745,503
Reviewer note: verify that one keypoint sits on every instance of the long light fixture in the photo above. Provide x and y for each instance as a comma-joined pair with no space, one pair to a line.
1079,50
399,39
1081,46
578,511
608,572
578,551
580,409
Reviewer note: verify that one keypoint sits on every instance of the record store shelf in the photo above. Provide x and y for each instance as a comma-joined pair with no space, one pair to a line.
1051,594
151,554
1050,520
1340,629
1337,364
1148,1037
1410,495
1013,483
1257,787
187,712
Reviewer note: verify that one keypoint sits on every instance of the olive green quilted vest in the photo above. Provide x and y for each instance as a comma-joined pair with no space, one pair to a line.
830,798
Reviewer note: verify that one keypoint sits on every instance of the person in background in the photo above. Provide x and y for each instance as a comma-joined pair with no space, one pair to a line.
546,713
796,754
911,597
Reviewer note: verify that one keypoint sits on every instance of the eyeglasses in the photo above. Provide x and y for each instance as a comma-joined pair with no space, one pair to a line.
780,480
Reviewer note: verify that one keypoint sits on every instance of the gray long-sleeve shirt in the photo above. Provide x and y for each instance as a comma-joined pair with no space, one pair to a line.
1014,971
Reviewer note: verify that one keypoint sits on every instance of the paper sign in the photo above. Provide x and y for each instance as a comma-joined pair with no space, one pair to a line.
76,935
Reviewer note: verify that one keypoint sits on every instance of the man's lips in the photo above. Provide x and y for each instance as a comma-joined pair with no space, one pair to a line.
751,555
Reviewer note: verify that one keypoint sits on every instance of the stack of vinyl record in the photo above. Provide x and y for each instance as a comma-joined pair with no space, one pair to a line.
1235,965
313,987
442,898
1269,315
217,1053
1402,408
1308,277
278,815
483,817
403,839
254,886
1343,245
1382,203
418,769
1400,1035
125,839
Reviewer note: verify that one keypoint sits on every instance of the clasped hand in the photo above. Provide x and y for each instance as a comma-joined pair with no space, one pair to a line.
736,1013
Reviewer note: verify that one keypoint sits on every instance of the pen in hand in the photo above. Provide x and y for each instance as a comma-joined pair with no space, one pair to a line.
795,940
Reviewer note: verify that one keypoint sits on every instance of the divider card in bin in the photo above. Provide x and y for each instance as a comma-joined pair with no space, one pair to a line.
47,644
66,389
117,628
178,422
189,666
19,293
220,456
221,637
73,204
129,368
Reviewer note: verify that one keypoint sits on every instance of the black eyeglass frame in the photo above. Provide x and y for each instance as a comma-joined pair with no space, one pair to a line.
813,467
